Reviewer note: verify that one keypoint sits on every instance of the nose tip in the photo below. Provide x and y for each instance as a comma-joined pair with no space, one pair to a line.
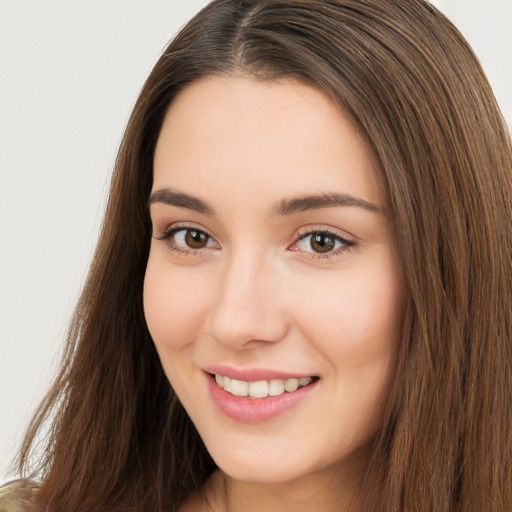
240,325
246,311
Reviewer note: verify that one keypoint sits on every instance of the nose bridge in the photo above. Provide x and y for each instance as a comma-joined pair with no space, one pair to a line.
245,308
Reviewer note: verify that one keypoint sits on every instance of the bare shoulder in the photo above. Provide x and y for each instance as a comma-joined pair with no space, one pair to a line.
17,496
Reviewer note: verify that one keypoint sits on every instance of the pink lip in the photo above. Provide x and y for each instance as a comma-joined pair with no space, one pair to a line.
252,374
255,410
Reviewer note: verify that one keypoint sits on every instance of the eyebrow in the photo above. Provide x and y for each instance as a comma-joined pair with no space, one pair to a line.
283,207
167,196
325,200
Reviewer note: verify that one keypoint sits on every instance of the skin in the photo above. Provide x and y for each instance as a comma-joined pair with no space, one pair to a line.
258,294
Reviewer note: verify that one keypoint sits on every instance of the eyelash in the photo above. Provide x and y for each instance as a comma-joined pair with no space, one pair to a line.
167,236
345,244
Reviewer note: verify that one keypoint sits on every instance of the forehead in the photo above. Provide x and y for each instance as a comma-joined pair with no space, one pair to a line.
273,137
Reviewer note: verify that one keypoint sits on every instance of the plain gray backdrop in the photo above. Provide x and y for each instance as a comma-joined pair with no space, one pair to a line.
70,72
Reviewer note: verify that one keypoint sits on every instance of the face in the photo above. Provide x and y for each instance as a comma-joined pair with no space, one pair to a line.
273,291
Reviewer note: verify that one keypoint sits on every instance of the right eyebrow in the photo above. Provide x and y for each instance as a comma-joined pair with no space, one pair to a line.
167,196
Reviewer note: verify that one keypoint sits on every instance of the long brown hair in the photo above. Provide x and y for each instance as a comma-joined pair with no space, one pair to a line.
117,437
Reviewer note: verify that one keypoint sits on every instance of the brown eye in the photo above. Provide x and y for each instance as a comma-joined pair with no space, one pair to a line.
185,239
322,242
196,239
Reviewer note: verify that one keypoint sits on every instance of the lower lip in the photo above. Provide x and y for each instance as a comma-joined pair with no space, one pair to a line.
256,410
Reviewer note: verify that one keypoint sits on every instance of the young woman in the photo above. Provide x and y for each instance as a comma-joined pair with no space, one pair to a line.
301,298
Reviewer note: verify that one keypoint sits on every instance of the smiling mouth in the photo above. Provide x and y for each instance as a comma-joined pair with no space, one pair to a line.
261,388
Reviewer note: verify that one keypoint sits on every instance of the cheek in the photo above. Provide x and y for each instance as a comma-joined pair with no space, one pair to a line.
356,327
172,307
354,320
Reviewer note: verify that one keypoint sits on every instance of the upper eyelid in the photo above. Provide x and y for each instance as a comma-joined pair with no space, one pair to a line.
308,230
345,241
176,226
300,233
169,232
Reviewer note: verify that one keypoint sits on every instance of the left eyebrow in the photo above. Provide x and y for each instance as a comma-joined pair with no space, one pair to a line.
325,200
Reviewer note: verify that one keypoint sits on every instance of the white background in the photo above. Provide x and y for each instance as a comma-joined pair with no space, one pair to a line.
70,72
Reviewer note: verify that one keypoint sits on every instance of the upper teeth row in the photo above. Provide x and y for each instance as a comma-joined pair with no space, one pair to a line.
260,388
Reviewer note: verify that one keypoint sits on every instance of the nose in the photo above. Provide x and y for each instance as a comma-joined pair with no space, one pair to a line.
246,312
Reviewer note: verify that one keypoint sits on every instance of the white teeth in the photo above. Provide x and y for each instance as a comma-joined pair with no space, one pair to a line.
276,387
260,388
291,385
239,387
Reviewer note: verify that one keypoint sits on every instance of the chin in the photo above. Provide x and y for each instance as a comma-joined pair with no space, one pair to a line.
261,473
256,465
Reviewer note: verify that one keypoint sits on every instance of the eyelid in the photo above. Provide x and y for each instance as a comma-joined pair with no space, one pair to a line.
168,233
347,242
176,226
322,228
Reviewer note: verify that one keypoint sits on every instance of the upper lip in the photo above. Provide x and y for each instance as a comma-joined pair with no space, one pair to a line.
253,374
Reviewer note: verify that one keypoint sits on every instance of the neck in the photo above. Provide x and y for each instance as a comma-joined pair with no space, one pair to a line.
328,491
